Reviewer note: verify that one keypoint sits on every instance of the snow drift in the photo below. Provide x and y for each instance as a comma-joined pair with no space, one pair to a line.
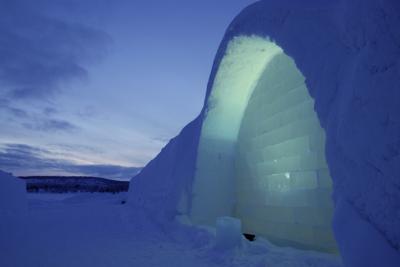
349,54
12,195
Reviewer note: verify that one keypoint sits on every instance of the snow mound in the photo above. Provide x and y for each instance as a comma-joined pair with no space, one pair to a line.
12,195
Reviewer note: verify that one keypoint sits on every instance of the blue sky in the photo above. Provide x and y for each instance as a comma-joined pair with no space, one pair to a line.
94,87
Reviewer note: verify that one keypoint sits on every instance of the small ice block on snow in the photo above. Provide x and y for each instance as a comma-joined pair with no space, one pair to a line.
228,232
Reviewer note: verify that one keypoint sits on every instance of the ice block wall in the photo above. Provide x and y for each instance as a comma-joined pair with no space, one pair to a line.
283,187
261,155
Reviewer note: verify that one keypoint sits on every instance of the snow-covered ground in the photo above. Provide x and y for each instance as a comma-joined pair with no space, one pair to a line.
93,229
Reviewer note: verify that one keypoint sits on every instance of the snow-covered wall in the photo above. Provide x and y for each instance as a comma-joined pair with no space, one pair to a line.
349,54
162,186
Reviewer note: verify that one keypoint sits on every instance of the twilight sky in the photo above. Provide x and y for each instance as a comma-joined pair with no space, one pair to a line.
98,87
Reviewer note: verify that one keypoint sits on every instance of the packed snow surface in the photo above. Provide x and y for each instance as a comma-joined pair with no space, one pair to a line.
94,229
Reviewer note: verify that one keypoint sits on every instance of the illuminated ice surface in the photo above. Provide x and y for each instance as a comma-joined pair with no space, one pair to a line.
283,184
262,149
236,78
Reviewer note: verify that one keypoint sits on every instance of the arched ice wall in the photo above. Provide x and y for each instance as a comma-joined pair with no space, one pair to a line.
349,53
238,74
261,150
283,186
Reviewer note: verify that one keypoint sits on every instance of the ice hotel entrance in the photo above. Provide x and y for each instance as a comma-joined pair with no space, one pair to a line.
262,150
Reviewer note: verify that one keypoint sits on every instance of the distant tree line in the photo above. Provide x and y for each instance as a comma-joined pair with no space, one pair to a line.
65,184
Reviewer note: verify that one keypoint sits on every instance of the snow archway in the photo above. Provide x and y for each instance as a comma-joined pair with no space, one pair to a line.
261,150
348,50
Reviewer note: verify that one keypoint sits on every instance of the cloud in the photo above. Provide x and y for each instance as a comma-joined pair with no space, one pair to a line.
17,112
5,107
162,139
37,121
19,156
23,159
48,111
113,171
51,125
76,147
39,49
